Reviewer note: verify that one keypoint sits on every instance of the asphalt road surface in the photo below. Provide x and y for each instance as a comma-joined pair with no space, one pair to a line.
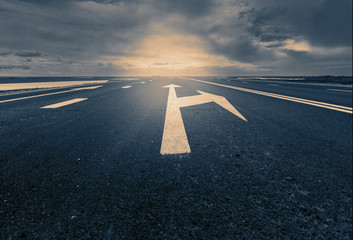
89,164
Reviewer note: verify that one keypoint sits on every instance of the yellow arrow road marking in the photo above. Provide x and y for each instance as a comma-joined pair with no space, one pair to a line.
174,140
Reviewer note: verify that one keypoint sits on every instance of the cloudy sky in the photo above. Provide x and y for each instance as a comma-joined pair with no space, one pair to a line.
175,37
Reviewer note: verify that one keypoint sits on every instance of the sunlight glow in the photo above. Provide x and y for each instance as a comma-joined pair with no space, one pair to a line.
168,53
301,46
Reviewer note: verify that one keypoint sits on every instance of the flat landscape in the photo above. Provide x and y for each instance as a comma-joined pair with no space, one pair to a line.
251,157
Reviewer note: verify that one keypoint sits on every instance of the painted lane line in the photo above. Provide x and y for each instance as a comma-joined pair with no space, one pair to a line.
297,83
65,103
88,88
25,91
288,98
340,90
34,85
142,82
48,94
273,94
127,87
314,103
174,140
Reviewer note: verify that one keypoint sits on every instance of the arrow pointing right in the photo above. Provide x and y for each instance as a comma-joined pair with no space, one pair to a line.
208,97
174,139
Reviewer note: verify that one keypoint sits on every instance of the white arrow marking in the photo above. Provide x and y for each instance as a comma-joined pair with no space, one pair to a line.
174,139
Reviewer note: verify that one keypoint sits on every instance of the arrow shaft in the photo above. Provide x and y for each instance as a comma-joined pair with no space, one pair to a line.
174,139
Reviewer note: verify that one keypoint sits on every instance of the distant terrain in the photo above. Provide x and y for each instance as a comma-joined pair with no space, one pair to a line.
314,79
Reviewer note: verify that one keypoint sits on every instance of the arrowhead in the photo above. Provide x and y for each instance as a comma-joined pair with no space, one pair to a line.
171,86
223,102
208,94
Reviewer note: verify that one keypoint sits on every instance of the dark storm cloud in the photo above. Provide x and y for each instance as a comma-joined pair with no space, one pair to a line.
322,22
11,67
64,2
192,9
226,33
241,50
5,53
77,34
29,54
62,60
256,31
77,29
262,24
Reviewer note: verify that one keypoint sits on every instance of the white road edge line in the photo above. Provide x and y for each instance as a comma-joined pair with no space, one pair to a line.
48,94
340,90
65,103
288,98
